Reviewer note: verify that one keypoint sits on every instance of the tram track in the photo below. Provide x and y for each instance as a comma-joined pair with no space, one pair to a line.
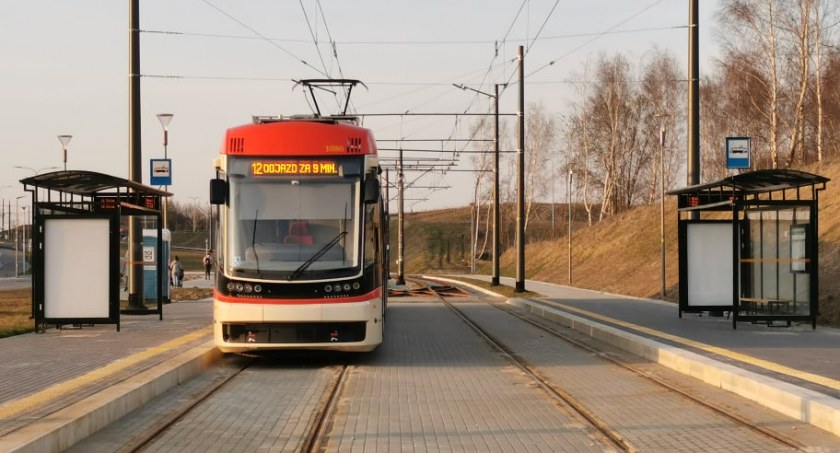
316,438
615,437
312,439
145,438
611,436
651,378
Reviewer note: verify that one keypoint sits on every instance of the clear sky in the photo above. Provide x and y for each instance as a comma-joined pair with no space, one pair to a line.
65,71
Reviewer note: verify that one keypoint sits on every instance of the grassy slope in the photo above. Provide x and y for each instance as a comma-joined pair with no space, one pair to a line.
620,255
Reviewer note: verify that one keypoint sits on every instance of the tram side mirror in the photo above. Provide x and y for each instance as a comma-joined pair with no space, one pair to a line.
371,189
218,191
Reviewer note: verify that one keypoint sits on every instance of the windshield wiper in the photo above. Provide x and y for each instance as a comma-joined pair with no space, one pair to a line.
254,241
316,256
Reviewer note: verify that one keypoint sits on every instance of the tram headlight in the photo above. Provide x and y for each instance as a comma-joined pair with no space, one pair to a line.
239,287
231,286
347,287
328,288
257,288
356,285
248,288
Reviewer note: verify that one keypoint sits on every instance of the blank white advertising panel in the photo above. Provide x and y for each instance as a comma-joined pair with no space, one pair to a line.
709,264
76,268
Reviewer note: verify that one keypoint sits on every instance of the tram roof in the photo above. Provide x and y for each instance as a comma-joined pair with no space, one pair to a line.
87,183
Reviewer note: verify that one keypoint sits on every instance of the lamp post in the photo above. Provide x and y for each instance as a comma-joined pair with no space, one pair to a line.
17,234
473,235
23,245
36,172
209,240
569,206
3,213
494,280
662,209
65,140
164,119
193,210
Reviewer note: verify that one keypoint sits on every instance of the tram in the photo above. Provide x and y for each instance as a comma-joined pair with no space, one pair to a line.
301,250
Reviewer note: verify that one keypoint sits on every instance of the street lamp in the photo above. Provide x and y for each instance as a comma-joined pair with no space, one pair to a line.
569,206
23,245
34,171
494,279
193,210
65,140
3,218
164,119
662,209
17,233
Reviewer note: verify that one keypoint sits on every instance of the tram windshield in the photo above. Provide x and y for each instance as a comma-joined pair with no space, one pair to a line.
292,226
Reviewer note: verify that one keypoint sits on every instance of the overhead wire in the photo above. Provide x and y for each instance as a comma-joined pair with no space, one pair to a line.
594,38
421,43
195,77
334,48
332,41
487,71
265,38
314,38
539,32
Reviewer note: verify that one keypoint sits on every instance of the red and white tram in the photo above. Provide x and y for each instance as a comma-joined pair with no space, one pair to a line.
302,234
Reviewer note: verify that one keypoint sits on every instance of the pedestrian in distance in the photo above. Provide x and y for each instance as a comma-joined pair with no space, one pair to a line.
177,272
208,264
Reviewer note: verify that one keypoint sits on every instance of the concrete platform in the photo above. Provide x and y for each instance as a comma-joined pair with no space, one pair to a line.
792,370
61,386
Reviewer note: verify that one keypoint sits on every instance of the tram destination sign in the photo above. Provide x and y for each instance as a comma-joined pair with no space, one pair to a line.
294,168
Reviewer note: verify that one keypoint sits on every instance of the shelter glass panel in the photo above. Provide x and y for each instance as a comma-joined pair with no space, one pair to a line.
774,262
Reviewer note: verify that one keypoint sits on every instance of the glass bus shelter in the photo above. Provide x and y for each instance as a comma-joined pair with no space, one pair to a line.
76,245
748,245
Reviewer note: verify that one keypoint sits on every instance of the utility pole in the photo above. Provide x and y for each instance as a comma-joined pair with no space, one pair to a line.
387,192
387,226
693,161
400,225
17,235
494,281
520,215
135,160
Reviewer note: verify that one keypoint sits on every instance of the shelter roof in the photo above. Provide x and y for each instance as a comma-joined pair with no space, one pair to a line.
87,183
755,182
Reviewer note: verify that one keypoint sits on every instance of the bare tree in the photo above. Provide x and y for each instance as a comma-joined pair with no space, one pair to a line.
663,107
482,162
797,23
541,143
613,131
750,42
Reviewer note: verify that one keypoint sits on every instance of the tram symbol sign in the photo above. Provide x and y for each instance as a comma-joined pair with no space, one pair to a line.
737,152
161,172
